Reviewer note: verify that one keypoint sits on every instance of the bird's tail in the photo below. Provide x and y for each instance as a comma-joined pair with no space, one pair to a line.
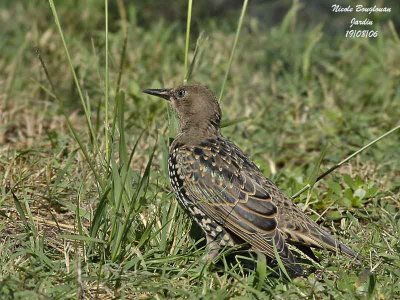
311,234
330,242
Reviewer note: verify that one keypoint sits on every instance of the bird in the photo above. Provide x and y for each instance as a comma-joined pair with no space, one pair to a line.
226,194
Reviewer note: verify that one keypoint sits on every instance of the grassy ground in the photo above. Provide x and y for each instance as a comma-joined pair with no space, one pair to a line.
86,209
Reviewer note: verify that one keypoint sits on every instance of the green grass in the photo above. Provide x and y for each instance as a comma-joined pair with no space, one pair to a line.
86,209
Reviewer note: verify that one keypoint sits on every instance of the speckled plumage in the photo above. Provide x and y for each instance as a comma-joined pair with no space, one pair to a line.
225,192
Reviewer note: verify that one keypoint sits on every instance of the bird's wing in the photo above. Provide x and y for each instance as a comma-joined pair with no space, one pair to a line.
215,178
227,186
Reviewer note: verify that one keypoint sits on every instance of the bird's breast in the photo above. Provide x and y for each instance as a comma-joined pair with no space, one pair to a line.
176,178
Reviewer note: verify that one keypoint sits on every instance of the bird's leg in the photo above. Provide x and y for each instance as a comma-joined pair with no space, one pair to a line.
212,248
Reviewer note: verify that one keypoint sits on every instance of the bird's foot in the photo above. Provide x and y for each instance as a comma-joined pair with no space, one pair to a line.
212,249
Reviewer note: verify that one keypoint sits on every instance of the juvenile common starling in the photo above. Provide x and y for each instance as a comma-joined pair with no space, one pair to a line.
225,192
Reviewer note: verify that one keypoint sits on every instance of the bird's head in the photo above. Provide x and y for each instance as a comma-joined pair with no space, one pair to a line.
196,105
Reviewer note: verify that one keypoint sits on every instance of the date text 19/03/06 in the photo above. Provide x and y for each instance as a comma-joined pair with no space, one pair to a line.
361,33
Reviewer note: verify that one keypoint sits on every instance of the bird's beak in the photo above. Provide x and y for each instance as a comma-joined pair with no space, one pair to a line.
162,93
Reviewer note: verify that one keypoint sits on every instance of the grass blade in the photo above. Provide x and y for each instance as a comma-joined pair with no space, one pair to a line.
239,27
189,17
196,55
261,270
99,213
280,262
77,84
77,237
140,191
330,170
106,76
20,211
122,13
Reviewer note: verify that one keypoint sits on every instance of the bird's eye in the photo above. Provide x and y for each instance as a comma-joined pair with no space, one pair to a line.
181,93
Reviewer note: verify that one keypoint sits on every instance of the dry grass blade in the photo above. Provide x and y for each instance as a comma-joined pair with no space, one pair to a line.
330,170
